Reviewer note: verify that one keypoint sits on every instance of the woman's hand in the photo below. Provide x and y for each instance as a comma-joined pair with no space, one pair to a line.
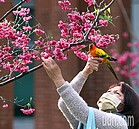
53,71
91,65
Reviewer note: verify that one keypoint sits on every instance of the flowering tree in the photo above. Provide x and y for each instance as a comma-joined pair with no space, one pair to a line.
80,30
76,34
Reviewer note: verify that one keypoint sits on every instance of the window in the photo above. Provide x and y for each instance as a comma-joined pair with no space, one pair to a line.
24,87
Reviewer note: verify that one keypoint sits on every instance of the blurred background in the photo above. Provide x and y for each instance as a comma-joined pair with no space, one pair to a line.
40,87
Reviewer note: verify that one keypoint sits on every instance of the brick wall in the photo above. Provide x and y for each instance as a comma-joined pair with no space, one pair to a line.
6,115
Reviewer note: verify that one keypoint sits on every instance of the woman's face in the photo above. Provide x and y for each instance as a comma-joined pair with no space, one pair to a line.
117,91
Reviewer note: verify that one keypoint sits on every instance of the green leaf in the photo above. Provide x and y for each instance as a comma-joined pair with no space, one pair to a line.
96,11
30,99
109,10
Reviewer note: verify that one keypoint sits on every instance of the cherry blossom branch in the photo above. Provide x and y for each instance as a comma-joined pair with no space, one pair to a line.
20,75
11,10
99,11
38,66
26,109
86,41
102,10
14,102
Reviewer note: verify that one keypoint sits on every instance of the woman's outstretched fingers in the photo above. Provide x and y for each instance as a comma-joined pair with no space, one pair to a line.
53,71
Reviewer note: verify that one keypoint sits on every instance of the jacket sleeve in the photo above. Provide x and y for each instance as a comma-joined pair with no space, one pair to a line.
79,109
77,84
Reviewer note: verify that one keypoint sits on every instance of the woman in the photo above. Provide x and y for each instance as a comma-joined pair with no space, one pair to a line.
76,110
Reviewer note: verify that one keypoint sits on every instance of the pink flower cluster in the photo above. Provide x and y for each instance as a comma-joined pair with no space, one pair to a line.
78,25
105,40
15,52
22,12
28,111
39,31
6,30
128,61
5,106
64,4
103,22
90,2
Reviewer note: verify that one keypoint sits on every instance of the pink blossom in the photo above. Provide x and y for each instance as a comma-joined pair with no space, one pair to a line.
45,55
81,55
23,12
129,44
76,48
28,0
2,1
103,22
64,4
24,69
59,55
62,25
124,73
117,69
28,111
133,73
38,42
5,106
105,40
75,28
125,67
21,41
6,30
123,58
136,44
78,35
90,16
39,31
52,42
6,48
27,28
35,56
64,29
74,16
125,35
62,44
27,18
90,2
133,64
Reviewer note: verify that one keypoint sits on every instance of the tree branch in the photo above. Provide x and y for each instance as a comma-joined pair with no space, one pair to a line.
83,42
12,9
99,11
107,6
20,75
40,65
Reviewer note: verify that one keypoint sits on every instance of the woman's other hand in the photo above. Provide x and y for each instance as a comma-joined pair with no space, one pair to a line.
91,65
53,71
